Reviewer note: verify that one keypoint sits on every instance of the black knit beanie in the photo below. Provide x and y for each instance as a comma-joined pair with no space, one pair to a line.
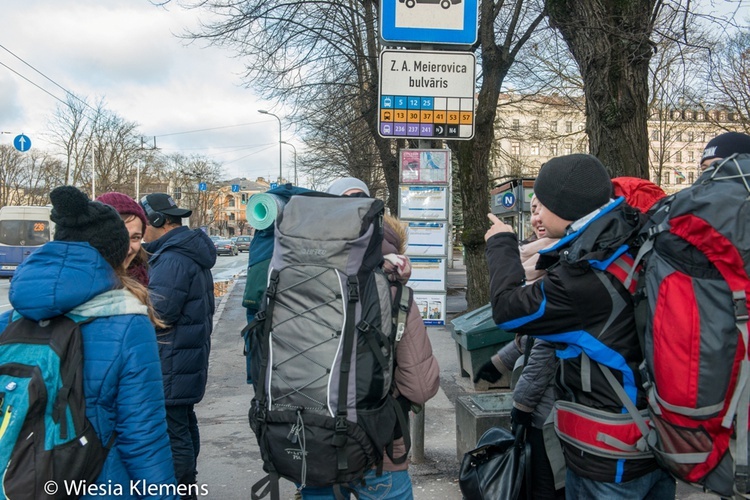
573,186
77,218
725,145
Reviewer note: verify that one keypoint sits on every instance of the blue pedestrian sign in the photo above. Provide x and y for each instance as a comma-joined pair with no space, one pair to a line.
274,185
202,186
22,143
453,22
235,188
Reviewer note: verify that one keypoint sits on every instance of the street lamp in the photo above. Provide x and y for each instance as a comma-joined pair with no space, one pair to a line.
264,112
295,159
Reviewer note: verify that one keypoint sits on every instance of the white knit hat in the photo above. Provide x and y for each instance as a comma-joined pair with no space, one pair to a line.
341,186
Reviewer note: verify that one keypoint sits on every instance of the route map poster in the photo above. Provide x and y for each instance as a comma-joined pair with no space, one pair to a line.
424,166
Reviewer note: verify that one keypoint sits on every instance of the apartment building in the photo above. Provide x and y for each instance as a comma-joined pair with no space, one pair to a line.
532,129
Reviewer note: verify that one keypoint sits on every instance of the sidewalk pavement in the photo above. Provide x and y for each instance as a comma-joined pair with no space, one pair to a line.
229,462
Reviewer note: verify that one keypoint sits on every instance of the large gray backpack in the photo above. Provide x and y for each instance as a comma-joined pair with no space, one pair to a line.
323,347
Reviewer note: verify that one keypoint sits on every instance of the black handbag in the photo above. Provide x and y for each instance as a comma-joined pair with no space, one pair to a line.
498,468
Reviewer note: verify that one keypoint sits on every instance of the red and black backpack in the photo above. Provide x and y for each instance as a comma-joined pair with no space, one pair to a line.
692,312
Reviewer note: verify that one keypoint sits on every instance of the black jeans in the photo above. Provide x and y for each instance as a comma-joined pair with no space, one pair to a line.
182,426
542,479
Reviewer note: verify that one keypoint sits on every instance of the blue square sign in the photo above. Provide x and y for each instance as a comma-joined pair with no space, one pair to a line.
453,22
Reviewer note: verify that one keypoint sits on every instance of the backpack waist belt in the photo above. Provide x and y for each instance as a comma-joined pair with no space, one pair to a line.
601,433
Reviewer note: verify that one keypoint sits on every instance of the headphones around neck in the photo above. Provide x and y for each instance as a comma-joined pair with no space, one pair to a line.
156,219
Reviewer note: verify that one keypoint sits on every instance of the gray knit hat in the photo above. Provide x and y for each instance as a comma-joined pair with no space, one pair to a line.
573,186
340,186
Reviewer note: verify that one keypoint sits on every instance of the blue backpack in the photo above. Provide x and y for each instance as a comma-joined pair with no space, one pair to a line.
44,432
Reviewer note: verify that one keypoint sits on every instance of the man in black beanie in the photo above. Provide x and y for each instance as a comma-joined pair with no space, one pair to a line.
583,307
724,145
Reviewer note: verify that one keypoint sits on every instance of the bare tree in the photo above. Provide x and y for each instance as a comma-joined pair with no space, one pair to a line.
71,127
729,84
187,175
11,175
323,56
610,42
504,28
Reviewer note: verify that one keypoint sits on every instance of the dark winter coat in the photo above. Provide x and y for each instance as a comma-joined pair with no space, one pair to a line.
182,290
580,309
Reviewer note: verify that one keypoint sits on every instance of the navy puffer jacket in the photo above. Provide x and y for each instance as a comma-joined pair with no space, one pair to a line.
182,289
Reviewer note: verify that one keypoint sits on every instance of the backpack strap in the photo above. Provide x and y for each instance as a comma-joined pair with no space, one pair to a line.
401,305
71,370
341,426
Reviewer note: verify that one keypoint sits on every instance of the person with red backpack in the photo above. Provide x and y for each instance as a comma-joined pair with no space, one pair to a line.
582,306
723,146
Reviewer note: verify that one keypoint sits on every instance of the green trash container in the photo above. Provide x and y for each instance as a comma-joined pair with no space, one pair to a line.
477,339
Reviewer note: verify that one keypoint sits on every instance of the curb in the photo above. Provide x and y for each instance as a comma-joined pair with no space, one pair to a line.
224,299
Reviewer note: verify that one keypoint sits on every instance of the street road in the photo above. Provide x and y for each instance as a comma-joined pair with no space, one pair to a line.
225,269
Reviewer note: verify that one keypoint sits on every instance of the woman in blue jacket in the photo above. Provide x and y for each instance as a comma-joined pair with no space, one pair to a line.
81,275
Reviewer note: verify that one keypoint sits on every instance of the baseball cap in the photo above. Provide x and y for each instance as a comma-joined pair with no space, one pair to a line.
162,202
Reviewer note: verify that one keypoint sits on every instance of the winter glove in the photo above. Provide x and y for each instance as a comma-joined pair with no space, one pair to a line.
519,417
488,372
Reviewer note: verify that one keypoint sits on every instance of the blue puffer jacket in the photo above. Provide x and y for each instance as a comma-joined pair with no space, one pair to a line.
122,379
182,289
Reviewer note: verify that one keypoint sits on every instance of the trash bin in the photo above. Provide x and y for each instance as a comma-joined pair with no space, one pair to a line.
475,413
477,339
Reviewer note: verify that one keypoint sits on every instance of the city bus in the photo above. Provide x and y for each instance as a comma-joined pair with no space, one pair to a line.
22,230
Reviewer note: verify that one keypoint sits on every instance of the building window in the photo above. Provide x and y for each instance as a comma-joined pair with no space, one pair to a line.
691,177
535,149
665,178
675,115
703,137
568,127
654,135
722,116
678,156
678,136
516,125
515,148
535,125
700,115
678,179
553,126
688,115
568,148
691,156
553,149
691,136
231,202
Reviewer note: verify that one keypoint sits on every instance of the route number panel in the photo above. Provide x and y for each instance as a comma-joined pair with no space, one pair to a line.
426,94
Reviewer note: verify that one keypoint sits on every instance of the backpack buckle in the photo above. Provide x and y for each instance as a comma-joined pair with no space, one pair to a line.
353,292
740,306
272,285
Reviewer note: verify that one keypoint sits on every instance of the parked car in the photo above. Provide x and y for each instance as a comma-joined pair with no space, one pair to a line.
215,237
243,243
225,247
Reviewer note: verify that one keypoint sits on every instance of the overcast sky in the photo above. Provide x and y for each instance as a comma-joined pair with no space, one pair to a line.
126,51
